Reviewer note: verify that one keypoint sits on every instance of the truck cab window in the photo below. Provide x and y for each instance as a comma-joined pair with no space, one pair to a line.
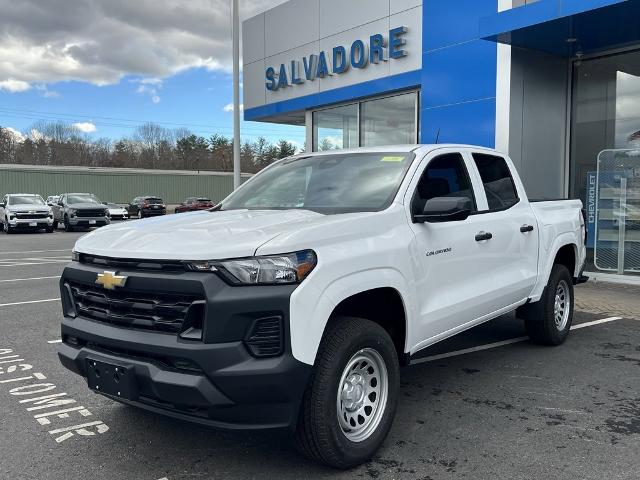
498,183
445,176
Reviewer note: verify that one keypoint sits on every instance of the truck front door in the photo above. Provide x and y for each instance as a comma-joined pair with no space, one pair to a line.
450,264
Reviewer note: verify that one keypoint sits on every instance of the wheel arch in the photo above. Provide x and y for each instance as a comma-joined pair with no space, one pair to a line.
312,309
383,306
564,251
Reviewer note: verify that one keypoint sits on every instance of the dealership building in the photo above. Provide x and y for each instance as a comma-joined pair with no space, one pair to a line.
554,83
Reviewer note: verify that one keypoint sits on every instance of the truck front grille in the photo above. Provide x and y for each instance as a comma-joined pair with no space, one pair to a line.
34,216
162,312
90,213
132,264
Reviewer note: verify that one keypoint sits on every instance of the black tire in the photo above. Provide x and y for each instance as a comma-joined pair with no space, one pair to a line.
55,225
1,226
67,225
49,229
319,434
540,317
7,227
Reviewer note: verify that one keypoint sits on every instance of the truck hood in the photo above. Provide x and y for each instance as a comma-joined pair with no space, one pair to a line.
28,208
194,236
87,206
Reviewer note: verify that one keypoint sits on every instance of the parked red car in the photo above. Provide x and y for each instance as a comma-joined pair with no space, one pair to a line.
192,204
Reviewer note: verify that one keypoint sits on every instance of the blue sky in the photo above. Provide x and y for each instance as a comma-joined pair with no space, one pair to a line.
110,65
194,99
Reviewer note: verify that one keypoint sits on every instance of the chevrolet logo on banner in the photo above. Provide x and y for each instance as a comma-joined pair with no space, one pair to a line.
110,280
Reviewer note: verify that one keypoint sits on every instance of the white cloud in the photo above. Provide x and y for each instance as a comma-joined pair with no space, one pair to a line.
46,93
229,107
102,41
14,86
17,136
149,86
85,127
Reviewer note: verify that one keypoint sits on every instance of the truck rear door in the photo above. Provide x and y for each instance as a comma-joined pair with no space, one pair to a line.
508,217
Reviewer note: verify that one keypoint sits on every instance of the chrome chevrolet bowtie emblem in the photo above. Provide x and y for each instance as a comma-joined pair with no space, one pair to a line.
110,280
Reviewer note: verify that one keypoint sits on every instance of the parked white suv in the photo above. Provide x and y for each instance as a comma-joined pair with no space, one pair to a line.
25,211
296,300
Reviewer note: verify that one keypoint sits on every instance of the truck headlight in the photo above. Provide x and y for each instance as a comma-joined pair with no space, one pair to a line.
72,212
289,268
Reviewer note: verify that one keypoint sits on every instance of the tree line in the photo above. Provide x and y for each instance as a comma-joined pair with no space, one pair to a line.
151,146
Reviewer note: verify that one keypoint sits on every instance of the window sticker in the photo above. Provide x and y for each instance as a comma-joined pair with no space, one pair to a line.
392,159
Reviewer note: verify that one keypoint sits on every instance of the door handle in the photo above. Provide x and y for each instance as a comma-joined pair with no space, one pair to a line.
483,236
526,228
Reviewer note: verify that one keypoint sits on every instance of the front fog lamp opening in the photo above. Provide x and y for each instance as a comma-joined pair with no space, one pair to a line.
285,269
192,327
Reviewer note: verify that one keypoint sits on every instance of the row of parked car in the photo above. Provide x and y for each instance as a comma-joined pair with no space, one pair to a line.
23,211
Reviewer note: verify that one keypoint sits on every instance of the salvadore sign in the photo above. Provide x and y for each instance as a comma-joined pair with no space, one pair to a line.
360,54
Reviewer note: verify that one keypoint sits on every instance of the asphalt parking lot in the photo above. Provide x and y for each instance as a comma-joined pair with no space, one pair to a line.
486,404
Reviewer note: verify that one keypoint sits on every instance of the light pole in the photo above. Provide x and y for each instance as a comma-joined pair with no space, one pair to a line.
236,94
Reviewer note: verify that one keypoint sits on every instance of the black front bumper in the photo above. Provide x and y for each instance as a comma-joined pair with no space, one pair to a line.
214,381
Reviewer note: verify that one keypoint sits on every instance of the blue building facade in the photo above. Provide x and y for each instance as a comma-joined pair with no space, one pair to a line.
553,83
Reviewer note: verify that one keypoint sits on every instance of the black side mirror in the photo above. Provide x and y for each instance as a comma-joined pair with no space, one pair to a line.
444,209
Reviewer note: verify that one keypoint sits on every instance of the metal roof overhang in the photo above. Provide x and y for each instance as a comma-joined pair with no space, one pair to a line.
566,28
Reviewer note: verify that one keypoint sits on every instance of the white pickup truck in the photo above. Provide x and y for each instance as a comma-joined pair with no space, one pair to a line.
294,302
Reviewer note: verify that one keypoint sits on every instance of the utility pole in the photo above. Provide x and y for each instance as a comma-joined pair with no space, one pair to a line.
236,94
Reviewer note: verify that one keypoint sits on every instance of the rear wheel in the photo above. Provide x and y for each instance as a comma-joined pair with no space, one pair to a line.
548,321
349,405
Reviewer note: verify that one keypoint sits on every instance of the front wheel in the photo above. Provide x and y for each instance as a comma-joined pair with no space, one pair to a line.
548,321
7,227
67,225
55,225
50,229
349,405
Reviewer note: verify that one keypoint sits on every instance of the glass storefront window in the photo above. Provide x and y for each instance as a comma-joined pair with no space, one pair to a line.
378,122
605,158
335,128
389,121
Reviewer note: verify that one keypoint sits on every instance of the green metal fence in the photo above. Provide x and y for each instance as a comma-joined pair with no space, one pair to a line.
115,185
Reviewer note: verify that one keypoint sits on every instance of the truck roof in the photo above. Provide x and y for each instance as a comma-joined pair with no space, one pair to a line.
397,148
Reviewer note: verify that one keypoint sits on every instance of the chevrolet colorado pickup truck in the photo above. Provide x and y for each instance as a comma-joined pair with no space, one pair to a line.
295,301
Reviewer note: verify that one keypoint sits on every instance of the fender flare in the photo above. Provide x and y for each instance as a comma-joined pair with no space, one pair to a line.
567,238
311,309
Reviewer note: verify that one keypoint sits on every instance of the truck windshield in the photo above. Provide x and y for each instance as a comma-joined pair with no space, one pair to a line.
26,200
333,183
82,199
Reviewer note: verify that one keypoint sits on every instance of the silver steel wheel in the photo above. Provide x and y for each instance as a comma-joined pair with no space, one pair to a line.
362,395
562,305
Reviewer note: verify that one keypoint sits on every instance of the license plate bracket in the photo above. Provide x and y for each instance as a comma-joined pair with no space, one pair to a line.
111,379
